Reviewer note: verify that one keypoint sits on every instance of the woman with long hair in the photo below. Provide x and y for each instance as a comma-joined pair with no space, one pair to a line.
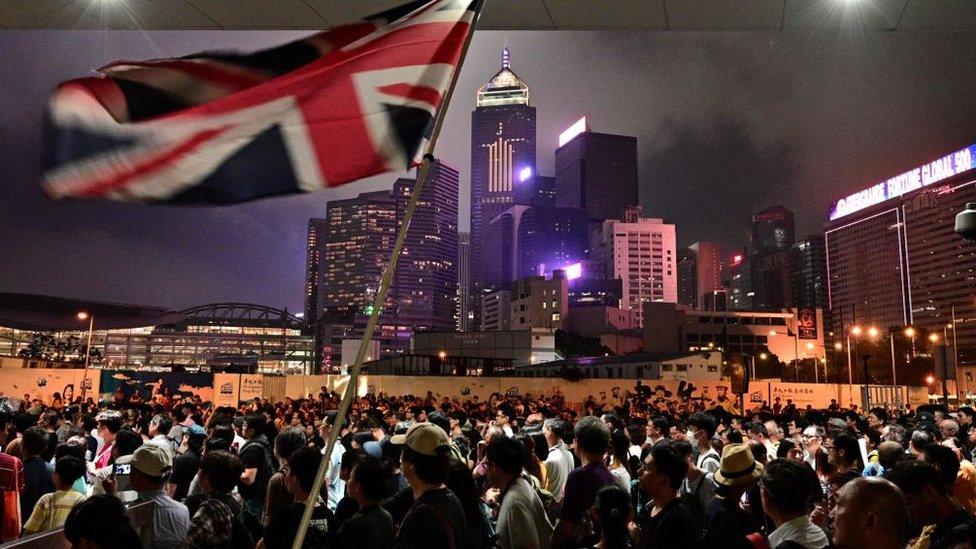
611,514
618,458
533,465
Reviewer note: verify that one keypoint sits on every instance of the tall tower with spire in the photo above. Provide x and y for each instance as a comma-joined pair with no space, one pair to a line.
503,141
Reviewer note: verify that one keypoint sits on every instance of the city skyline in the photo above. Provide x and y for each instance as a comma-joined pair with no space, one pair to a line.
692,161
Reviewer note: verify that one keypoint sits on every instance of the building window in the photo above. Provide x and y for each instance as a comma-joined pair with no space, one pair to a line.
667,368
555,317
682,367
712,369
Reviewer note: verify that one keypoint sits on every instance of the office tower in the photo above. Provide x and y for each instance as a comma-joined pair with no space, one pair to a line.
772,240
535,190
738,278
314,249
809,269
503,143
596,172
359,239
464,314
893,258
699,273
539,239
425,282
641,252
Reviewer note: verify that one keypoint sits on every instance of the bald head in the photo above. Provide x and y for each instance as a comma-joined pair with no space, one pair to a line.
870,513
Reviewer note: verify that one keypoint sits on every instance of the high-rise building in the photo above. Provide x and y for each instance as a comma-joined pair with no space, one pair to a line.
738,278
464,314
314,249
503,149
893,259
538,302
596,172
641,252
359,238
426,278
809,269
773,235
699,273
540,239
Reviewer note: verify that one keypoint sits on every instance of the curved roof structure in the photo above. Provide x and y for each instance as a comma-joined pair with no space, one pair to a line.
237,314
655,15
46,313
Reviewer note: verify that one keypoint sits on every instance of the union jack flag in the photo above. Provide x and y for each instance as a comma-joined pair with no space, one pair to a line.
338,106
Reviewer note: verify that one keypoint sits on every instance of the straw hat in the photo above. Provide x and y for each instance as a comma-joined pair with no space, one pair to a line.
739,467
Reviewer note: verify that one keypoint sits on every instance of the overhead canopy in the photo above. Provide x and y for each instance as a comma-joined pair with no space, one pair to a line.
614,15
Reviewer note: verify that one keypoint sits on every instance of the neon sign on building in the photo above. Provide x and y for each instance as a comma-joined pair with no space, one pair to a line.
938,170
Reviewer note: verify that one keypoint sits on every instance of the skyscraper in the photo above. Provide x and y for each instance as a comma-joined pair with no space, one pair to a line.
464,315
809,269
314,249
503,144
596,172
425,284
699,273
893,259
641,252
772,239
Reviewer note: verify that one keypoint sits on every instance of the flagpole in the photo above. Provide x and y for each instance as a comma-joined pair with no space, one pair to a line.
380,300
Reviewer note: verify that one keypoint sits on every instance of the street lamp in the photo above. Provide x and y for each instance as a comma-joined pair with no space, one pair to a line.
91,324
873,332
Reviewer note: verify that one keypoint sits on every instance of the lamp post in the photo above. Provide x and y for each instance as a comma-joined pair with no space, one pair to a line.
934,338
91,324
855,331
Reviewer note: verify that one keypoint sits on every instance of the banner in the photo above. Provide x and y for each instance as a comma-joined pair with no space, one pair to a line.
43,383
251,387
806,323
226,390
150,384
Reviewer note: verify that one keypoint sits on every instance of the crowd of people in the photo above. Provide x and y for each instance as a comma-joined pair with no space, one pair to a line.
512,471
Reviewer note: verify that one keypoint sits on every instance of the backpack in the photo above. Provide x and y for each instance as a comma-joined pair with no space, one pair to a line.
691,502
548,500
240,536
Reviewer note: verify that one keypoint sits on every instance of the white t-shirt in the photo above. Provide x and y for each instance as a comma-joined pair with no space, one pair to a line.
621,477
559,463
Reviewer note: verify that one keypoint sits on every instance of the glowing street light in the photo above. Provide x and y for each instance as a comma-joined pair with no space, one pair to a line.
872,331
910,332
930,380
856,330
763,356
442,355
810,346
838,345
934,338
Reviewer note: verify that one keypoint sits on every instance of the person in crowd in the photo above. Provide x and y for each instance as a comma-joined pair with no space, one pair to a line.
786,492
303,464
813,451
253,484
559,461
964,487
844,455
591,439
107,424
870,514
522,520
52,509
37,477
658,430
698,487
618,458
151,465
335,485
928,501
666,523
159,428
703,430
611,514
728,523
126,442
436,518
100,522
372,526
348,505
219,519
278,496
186,464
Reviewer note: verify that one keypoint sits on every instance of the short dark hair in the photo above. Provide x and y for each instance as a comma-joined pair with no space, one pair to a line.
507,454
592,435
661,423
289,440
256,423
222,469
787,486
372,476
35,441
440,419
703,421
880,413
668,462
101,519
164,422
69,468
430,469
127,441
944,460
350,458
71,448
111,419
304,464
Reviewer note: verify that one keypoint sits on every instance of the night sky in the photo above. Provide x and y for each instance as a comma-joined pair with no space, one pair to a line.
727,124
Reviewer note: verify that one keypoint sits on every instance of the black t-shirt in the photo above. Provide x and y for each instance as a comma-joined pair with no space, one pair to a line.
672,527
254,454
281,530
728,525
369,528
434,518
185,467
345,509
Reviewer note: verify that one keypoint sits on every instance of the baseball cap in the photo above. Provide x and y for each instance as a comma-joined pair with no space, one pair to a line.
423,438
152,460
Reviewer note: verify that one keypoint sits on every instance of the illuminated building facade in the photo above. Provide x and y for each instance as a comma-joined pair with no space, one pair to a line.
641,253
537,302
503,145
773,234
699,273
893,259
464,313
315,248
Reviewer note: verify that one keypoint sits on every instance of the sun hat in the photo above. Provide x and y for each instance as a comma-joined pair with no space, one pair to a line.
739,467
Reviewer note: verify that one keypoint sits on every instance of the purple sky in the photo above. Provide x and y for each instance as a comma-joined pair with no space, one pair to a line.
727,124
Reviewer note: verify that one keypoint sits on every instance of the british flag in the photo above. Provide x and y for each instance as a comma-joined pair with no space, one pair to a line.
338,106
